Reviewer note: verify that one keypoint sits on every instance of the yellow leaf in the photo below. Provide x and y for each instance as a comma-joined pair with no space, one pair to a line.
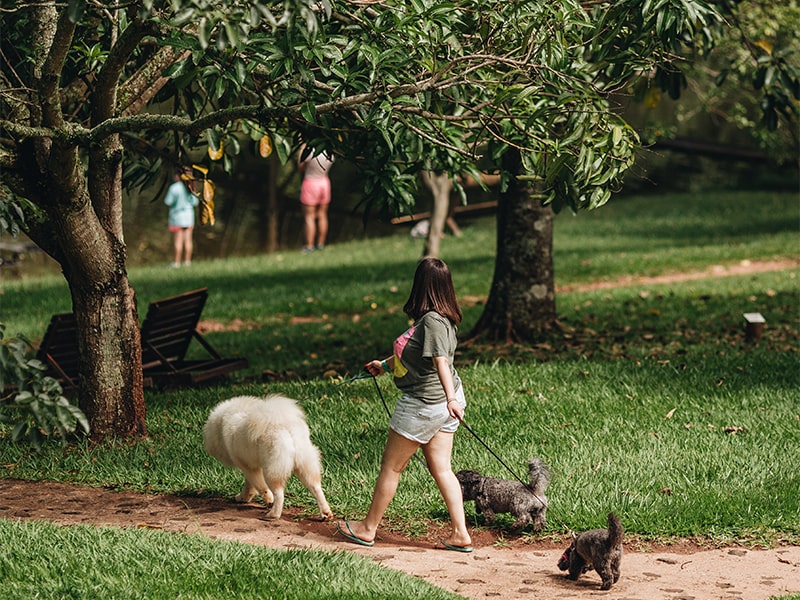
765,45
265,146
207,203
206,212
200,168
215,154
208,191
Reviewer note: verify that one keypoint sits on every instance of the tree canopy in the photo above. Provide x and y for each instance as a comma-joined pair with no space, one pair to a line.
100,95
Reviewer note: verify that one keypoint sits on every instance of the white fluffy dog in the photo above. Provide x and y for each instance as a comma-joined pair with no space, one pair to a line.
267,439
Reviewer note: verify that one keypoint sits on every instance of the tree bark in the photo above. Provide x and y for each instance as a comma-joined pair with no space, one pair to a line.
111,390
521,306
440,185
81,228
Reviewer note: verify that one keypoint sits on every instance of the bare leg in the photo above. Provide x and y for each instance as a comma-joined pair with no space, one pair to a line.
177,244
322,224
437,455
188,246
396,454
310,225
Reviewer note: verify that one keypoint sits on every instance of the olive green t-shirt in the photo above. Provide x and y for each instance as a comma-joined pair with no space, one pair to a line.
414,372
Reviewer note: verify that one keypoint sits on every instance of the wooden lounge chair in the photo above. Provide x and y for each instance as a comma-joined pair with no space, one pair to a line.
168,328
59,350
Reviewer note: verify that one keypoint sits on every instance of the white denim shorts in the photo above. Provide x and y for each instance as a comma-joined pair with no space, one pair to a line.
419,422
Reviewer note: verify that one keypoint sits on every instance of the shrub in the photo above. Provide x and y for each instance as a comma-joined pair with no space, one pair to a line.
32,403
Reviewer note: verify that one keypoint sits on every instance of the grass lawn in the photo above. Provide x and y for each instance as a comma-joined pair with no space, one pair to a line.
649,402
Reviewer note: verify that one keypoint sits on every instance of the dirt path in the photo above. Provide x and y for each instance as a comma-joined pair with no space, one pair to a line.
744,267
513,570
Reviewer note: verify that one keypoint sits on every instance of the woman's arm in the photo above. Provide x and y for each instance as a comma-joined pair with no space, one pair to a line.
446,378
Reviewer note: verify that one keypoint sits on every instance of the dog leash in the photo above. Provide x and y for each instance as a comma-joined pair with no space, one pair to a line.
383,401
500,460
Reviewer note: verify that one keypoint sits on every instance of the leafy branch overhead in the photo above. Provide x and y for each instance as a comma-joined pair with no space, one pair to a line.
400,86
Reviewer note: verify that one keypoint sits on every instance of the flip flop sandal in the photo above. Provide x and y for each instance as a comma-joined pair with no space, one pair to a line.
465,549
352,536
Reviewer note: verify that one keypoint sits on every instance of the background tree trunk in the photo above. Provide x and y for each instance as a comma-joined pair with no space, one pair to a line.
441,186
521,304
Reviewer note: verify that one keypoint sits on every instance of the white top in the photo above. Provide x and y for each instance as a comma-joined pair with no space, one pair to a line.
317,166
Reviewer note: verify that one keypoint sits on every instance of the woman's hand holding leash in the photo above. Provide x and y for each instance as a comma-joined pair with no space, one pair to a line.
455,409
377,367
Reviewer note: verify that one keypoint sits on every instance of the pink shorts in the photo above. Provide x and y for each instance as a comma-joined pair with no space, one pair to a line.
174,228
315,191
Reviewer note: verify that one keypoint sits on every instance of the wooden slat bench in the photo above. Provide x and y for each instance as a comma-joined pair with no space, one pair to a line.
167,331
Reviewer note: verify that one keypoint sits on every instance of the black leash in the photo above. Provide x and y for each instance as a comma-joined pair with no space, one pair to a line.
500,460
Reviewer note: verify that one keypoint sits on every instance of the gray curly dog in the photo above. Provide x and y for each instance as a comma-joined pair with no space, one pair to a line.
600,549
527,503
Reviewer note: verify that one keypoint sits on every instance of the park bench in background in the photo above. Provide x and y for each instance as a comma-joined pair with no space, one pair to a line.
167,331
59,351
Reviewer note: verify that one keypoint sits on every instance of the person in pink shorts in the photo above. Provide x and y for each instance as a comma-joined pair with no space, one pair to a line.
315,196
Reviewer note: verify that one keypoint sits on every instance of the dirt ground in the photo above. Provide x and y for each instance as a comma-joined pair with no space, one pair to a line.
511,569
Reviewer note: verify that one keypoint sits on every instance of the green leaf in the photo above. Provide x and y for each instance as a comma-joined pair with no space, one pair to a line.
212,139
309,111
18,431
203,32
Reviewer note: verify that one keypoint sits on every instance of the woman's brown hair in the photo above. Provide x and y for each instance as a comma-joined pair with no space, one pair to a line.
433,290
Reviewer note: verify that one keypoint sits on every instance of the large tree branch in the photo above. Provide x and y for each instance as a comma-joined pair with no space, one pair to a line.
105,96
135,93
51,71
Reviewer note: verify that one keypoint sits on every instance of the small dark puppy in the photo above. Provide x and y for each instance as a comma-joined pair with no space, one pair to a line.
600,549
527,503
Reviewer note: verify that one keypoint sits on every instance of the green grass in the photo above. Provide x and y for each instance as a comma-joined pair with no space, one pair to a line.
38,562
650,402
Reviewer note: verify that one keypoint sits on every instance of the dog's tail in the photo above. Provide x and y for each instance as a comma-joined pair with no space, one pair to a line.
615,531
539,476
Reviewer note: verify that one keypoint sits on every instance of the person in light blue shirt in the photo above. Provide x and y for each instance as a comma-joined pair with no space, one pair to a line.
181,204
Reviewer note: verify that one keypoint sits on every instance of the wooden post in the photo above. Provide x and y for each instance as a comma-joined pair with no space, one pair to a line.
754,326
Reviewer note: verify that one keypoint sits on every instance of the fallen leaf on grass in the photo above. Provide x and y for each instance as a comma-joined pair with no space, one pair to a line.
733,429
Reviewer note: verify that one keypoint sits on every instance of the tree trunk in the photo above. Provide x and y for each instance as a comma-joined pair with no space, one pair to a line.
440,186
273,208
521,304
83,232
111,391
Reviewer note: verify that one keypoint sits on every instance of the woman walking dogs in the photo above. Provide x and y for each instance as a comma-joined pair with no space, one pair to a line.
430,407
